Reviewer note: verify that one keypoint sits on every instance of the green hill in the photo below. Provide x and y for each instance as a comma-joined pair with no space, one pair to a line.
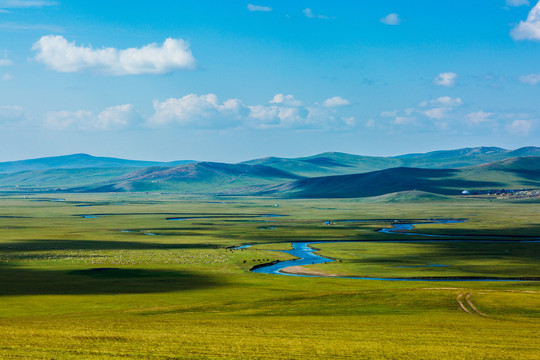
336,163
516,173
78,161
201,177
60,178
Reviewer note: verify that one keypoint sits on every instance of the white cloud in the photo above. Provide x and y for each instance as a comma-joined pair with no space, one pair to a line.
520,127
282,111
440,106
479,117
530,28
437,113
12,4
446,79
252,7
112,118
404,120
517,2
309,14
63,56
277,116
11,113
391,19
202,111
115,117
335,101
7,77
435,109
287,100
531,79
444,101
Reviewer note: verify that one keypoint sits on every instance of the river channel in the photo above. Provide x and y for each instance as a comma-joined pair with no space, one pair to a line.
306,255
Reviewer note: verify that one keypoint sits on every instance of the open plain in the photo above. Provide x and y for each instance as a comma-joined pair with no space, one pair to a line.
108,276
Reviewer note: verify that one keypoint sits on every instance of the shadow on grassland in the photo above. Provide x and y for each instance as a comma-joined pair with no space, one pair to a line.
48,245
470,258
99,281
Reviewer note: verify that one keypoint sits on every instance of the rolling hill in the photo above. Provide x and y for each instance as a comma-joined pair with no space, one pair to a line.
336,163
515,173
331,174
201,177
60,178
79,161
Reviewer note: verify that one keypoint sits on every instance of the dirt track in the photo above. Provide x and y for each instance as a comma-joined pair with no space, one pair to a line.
467,306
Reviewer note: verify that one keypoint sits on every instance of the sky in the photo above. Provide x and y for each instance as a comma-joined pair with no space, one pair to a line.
237,80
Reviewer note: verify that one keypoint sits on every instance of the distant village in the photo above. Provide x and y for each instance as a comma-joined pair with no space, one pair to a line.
506,193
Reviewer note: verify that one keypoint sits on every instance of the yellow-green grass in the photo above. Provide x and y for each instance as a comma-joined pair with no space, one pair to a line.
81,288
432,259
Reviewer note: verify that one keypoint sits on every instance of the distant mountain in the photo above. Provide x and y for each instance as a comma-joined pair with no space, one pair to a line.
463,157
60,178
330,174
201,177
335,163
79,161
515,173
331,163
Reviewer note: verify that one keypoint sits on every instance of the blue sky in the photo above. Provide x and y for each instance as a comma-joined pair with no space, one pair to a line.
236,80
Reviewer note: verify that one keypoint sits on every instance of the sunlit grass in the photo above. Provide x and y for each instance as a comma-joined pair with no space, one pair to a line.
102,288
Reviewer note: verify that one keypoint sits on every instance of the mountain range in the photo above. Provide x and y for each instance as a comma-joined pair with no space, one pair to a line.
326,175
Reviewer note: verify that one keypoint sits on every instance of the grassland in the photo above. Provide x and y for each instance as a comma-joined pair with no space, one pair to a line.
103,288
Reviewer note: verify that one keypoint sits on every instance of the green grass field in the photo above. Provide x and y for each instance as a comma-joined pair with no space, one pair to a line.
106,288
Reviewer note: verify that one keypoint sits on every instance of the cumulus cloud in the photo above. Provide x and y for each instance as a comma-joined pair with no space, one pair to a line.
335,101
252,7
443,101
478,117
112,118
520,127
531,79
440,106
446,79
285,111
286,100
10,113
282,111
436,109
517,2
63,56
530,28
437,113
7,77
391,19
204,111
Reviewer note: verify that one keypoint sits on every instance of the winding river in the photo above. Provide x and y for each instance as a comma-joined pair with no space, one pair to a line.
305,255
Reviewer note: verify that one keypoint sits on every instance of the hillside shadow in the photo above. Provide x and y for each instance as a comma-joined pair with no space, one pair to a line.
99,281
48,245
465,256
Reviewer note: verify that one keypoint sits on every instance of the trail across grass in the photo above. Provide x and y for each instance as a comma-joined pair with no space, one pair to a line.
100,288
